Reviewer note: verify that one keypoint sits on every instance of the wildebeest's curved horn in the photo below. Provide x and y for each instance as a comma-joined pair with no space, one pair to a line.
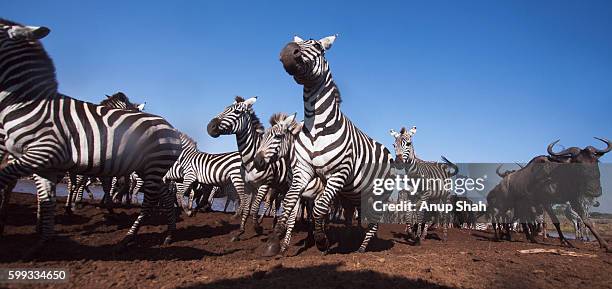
562,153
608,149
519,165
497,170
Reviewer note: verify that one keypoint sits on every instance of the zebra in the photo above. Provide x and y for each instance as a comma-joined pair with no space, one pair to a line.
77,183
329,145
415,167
50,134
240,119
278,143
580,231
194,167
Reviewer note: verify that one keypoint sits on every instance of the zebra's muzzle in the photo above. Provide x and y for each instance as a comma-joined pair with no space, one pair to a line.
260,161
213,127
290,56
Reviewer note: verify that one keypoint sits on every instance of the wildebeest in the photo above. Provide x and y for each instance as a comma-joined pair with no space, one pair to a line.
571,175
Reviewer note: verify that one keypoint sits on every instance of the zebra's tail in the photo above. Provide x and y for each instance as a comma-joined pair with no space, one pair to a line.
451,165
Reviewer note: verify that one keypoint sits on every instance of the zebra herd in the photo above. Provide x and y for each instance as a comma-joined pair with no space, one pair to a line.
317,165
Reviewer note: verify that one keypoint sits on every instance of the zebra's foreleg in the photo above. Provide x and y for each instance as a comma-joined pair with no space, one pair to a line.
270,196
299,182
246,200
290,225
262,192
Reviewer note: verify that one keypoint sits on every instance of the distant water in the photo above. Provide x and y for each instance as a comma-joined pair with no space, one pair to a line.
27,186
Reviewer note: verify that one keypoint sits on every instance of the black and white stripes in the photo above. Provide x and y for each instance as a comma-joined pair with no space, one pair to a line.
329,145
50,134
417,168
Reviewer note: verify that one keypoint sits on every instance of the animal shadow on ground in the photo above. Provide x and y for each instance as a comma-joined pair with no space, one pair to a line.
346,240
64,249
321,276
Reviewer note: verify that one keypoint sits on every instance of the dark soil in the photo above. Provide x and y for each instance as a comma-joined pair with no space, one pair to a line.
203,256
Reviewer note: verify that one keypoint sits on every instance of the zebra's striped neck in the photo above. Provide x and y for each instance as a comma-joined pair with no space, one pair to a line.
248,141
321,104
25,83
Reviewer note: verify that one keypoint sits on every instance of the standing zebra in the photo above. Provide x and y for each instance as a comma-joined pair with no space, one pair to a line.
278,143
417,168
329,145
50,134
77,183
239,118
194,167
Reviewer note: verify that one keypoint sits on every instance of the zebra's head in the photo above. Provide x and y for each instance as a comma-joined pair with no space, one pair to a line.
403,144
120,100
277,140
11,31
21,43
235,118
305,59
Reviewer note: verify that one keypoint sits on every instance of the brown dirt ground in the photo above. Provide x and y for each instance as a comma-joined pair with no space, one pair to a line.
203,257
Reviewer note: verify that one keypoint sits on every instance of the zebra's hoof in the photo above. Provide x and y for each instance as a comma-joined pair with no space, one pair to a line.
68,211
259,230
168,240
361,250
123,244
272,246
322,242
190,213
235,239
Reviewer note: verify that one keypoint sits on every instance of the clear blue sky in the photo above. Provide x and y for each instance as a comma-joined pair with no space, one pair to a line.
484,81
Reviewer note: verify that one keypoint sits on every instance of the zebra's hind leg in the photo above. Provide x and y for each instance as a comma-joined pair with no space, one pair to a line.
154,191
371,233
322,208
5,197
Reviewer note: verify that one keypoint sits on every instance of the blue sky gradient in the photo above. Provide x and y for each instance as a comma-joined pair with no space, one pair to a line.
484,81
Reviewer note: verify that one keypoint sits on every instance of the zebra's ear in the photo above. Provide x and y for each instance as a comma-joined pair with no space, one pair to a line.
251,101
297,39
328,41
393,133
289,119
141,106
297,128
28,32
412,131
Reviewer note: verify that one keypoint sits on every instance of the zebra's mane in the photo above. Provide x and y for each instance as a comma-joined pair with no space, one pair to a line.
255,121
280,116
337,96
187,141
119,96
277,117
